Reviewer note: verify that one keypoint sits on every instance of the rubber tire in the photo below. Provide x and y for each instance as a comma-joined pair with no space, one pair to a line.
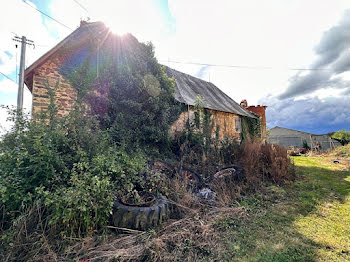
196,178
140,218
238,175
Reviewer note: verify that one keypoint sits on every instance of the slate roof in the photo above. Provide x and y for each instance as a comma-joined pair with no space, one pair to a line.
187,89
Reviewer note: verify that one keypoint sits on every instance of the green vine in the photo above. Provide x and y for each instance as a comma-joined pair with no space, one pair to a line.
251,128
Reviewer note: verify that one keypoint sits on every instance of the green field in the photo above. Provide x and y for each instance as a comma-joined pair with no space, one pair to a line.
306,221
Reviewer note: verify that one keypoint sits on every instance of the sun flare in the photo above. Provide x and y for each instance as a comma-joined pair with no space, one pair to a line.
117,27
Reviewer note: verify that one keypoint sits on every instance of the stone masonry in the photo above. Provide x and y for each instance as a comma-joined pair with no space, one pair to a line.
45,77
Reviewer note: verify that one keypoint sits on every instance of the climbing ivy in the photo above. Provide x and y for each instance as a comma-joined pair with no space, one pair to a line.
251,128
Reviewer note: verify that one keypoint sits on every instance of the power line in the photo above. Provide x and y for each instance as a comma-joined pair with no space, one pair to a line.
241,66
83,7
8,77
48,16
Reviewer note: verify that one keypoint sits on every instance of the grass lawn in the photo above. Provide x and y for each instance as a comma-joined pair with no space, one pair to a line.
306,221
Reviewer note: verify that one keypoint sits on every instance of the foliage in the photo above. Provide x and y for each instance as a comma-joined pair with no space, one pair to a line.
84,204
70,164
343,136
251,128
342,151
131,95
306,145
78,164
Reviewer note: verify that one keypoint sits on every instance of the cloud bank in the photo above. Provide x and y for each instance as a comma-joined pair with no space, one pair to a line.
313,115
333,59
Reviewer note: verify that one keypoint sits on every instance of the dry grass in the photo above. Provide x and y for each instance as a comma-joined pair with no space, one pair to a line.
190,235
266,163
187,239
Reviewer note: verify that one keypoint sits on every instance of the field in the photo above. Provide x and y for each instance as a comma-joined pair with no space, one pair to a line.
306,221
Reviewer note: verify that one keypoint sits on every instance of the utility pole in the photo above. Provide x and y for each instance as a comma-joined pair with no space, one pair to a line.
24,41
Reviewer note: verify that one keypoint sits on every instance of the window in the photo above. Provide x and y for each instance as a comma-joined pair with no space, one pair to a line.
238,127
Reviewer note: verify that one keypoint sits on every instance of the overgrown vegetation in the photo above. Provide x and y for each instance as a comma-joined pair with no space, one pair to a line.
251,128
342,151
343,136
60,177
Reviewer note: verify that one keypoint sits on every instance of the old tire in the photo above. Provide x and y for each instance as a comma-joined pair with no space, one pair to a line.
189,176
231,172
140,218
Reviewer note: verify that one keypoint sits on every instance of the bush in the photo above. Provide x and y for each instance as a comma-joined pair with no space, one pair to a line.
266,163
342,151
343,136
71,165
84,204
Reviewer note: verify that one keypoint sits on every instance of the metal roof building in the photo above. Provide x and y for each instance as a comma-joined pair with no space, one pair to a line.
289,137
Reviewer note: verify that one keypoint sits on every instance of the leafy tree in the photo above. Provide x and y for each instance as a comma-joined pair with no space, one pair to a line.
343,136
131,95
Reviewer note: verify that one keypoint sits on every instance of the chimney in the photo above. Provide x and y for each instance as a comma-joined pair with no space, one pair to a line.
260,111
244,103
83,22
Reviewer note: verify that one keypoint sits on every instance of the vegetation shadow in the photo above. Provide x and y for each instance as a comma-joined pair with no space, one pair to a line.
298,222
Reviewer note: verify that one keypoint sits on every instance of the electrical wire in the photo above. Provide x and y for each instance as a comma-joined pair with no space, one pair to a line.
47,15
8,77
241,66
83,7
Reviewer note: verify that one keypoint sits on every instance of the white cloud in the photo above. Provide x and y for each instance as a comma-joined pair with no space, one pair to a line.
280,34
274,33
8,86
310,114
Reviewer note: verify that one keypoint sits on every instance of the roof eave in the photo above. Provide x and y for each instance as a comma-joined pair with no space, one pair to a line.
28,73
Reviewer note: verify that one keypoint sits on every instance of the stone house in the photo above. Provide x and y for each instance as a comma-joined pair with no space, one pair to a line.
46,72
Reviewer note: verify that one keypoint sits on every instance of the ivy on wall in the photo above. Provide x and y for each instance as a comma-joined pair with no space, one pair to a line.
251,128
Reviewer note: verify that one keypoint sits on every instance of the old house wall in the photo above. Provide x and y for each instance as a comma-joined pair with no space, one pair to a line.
224,125
48,77
260,111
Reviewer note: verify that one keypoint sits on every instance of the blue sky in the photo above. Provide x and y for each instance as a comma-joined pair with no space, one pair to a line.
268,40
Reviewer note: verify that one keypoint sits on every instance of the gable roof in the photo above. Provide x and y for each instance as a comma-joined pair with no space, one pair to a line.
282,131
187,88
78,35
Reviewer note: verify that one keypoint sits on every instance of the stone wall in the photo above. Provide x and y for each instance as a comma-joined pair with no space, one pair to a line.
45,77
225,121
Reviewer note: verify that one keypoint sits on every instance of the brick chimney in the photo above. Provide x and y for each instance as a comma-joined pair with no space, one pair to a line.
260,111
83,22
244,103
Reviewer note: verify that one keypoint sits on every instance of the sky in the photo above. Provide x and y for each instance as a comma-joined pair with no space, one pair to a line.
293,56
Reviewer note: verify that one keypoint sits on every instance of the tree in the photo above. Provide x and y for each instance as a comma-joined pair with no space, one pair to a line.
343,136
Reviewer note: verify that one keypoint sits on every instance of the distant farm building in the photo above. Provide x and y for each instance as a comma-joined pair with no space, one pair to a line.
289,137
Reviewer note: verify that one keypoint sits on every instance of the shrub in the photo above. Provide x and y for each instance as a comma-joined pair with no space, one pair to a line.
84,204
342,151
70,164
132,95
343,136
266,163
29,158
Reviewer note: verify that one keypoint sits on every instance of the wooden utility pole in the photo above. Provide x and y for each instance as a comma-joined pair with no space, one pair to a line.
24,41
